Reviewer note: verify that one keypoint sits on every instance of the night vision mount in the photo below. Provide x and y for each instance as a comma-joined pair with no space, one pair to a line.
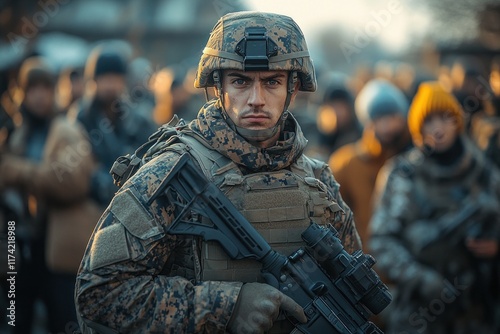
256,49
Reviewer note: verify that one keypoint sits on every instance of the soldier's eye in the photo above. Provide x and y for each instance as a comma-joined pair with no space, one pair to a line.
273,82
239,82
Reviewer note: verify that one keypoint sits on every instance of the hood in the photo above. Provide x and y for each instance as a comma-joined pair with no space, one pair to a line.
213,128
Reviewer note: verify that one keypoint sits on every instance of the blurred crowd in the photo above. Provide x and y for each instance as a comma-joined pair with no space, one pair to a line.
60,133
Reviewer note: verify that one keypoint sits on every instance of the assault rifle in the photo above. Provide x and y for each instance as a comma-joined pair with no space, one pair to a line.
337,291
450,229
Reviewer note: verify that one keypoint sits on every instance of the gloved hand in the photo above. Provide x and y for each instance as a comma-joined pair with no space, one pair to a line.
258,306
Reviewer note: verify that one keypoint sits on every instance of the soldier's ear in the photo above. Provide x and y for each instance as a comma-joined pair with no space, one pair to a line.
295,91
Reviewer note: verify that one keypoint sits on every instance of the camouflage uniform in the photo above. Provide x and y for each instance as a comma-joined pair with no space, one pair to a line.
439,288
131,286
146,280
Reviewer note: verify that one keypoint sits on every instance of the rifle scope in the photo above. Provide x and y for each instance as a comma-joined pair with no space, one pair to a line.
353,270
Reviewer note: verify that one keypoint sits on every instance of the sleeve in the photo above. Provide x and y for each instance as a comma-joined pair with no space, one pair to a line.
346,227
122,269
388,223
64,173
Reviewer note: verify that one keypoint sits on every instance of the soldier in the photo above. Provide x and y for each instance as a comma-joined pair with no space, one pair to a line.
112,128
135,277
435,230
382,109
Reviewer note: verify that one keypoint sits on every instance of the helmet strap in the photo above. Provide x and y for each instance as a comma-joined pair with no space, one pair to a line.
216,76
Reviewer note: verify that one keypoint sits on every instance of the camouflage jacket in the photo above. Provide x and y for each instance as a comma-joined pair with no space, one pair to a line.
416,194
122,282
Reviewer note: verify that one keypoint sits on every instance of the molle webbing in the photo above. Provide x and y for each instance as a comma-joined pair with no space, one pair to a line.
280,205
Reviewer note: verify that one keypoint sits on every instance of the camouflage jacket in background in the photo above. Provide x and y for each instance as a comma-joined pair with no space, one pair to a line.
122,282
417,193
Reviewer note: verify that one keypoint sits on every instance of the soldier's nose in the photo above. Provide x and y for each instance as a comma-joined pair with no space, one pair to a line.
256,97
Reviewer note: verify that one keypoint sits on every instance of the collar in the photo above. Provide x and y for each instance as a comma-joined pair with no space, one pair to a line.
210,125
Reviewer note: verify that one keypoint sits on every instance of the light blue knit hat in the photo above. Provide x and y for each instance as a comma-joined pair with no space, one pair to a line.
378,98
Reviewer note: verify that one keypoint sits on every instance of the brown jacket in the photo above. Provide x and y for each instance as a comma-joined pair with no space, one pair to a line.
60,182
355,167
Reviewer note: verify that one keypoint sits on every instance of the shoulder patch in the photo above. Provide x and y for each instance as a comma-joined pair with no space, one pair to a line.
129,211
109,247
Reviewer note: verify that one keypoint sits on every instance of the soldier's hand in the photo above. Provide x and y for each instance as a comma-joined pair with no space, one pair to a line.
483,248
258,306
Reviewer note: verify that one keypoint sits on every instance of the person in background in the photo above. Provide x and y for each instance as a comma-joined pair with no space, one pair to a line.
140,96
382,109
468,80
436,225
112,127
173,95
46,168
485,127
70,87
336,120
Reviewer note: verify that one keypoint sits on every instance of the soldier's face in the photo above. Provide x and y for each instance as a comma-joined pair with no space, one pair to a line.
440,131
255,100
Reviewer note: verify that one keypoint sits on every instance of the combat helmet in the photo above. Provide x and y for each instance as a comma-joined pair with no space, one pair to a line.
257,41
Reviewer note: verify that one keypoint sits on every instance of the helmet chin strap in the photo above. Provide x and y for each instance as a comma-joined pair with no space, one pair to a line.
258,136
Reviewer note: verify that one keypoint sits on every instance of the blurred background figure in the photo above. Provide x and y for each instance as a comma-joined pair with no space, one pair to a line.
112,127
161,85
404,79
382,109
485,128
175,94
336,120
44,177
141,98
468,79
383,70
436,225
70,87
495,84
9,111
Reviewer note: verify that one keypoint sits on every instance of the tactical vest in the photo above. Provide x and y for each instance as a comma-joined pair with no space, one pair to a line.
279,204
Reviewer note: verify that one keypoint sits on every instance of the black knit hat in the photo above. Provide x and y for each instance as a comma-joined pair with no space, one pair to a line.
104,63
36,71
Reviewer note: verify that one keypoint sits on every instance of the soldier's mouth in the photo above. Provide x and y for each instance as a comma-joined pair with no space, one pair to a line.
256,117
